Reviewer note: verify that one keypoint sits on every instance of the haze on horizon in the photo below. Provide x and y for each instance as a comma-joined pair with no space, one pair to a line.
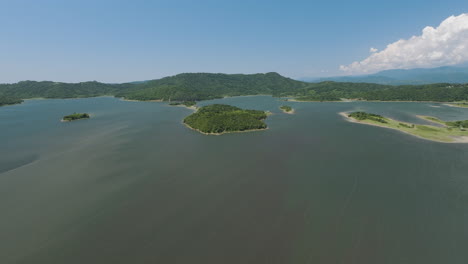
122,41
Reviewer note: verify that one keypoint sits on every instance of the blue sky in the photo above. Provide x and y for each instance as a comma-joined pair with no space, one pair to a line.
118,41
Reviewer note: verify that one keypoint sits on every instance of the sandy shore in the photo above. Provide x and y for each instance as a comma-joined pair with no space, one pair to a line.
129,100
299,101
455,105
193,107
456,139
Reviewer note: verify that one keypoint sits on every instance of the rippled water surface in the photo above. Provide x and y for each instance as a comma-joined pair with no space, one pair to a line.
133,185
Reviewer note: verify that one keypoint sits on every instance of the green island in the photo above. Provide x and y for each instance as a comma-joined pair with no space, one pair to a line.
75,116
218,119
184,103
445,131
287,109
192,87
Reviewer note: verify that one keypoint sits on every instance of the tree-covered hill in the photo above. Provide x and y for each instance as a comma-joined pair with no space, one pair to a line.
4,100
332,91
33,89
204,86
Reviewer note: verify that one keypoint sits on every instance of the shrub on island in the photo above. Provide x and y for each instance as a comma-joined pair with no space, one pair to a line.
367,116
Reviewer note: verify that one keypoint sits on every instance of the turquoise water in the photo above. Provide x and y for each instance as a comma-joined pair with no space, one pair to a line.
133,185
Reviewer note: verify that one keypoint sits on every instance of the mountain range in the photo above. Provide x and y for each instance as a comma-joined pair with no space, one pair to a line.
446,74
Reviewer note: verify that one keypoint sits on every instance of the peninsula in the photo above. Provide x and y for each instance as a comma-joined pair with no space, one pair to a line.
218,119
75,116
5,100
446,132
458,104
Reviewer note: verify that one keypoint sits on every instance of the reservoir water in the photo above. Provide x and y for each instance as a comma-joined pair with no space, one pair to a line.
134,185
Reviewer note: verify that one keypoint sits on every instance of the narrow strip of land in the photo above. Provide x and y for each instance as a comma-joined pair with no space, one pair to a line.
446,132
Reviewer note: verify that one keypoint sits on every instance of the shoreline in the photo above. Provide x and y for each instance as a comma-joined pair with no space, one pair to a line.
287,99
455,105
456,139
131,100
344,100
228,132
193,107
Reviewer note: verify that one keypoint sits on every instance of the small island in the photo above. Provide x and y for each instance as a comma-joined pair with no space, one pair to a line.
218,119
287,109
75,116
446,132
187,104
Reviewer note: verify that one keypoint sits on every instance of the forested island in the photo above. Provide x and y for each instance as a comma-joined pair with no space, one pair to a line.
75,116
192,87
446,131
218,119
287,109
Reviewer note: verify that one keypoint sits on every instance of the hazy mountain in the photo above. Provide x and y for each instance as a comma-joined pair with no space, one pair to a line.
447,74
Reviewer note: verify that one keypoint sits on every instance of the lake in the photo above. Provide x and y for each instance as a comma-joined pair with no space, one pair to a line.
134,185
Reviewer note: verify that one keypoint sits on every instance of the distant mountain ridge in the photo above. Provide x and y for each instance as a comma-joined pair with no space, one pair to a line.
446,74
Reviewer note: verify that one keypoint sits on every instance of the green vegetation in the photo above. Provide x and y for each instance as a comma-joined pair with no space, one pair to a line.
406,125
367,116
432,119
286,108
458,124
186,103
219,119
332,91
205,86
459,104
75,116
193,87
4,100
449,124
448,131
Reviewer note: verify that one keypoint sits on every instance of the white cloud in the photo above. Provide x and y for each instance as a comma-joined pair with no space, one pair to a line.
373,50
444,45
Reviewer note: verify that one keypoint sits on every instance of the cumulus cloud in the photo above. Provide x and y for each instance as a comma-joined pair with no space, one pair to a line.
373,50
446,44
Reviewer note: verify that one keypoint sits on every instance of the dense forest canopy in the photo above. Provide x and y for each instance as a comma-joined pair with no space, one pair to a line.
204,86
219,118
6,100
